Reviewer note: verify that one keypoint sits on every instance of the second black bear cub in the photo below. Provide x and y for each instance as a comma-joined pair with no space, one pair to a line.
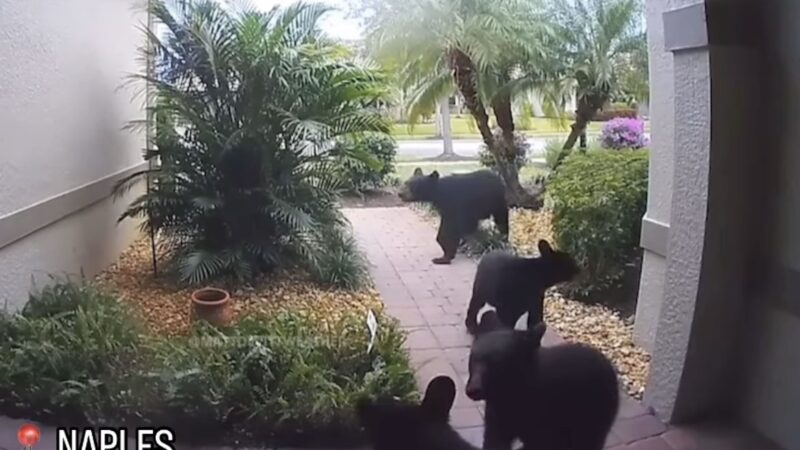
395,425
515,285
562,397
462,200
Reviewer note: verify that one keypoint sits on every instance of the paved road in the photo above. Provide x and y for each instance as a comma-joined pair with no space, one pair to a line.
428,148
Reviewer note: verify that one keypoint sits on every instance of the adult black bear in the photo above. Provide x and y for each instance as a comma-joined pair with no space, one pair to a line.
462,200
562,397
515,285
394,425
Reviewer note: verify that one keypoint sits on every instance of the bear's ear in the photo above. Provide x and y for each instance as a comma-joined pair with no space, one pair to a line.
544,248
418,172
435,175
439,398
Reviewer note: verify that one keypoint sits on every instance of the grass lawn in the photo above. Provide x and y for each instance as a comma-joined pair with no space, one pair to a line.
403,170
464,127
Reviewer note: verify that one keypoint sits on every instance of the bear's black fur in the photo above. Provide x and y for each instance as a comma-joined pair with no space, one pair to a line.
394,425
515,285
562,397
462,200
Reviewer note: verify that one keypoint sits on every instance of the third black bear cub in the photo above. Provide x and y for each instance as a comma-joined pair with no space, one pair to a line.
395,425
515,285
462,200
562,397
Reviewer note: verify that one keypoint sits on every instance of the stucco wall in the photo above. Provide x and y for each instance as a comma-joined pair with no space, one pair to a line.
62,63
662,112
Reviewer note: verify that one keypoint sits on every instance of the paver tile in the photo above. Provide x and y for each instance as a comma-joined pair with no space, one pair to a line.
466,417
638,428
420,338
652,443
450,336
473,435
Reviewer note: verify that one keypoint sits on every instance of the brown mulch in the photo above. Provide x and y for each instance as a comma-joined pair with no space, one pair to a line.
165,308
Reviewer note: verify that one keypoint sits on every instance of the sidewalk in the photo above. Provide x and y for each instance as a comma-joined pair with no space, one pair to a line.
430,303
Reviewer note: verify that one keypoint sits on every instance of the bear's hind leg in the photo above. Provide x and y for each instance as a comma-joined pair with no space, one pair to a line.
501,220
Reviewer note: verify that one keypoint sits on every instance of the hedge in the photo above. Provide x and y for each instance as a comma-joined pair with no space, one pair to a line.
375,173
598,200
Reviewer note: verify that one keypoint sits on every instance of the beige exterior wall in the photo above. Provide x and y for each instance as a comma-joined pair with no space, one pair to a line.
62,63
662,112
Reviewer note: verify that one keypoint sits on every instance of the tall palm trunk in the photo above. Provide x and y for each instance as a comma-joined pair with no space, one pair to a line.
588,106
466,81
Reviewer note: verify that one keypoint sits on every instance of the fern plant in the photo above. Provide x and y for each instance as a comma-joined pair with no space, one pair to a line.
249,103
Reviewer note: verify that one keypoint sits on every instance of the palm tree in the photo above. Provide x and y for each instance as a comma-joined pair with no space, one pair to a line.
634,73
592,36
248,105
472,46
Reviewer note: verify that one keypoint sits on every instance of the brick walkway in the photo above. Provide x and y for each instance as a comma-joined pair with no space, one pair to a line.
430,303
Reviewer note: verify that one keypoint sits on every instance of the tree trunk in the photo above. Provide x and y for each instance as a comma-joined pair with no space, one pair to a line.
464,76
466,81
587,107
501,106
577,128
444,128
438,121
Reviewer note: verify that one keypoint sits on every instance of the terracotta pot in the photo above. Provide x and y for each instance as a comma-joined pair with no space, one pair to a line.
212,305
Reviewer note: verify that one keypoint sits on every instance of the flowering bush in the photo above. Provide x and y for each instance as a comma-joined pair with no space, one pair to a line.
623,133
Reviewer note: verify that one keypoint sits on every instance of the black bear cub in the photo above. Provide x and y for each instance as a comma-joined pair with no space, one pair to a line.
395,425
562,397
515,285
462,200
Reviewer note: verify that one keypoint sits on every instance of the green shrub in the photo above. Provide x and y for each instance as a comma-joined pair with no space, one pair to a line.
339,262
282,380
519,157
615,112
246,181
363,175
598,200
69,354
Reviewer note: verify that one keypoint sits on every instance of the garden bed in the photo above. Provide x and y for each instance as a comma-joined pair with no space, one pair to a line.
124,350
165,308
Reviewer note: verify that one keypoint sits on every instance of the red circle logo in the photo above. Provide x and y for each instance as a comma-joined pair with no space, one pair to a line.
28,435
